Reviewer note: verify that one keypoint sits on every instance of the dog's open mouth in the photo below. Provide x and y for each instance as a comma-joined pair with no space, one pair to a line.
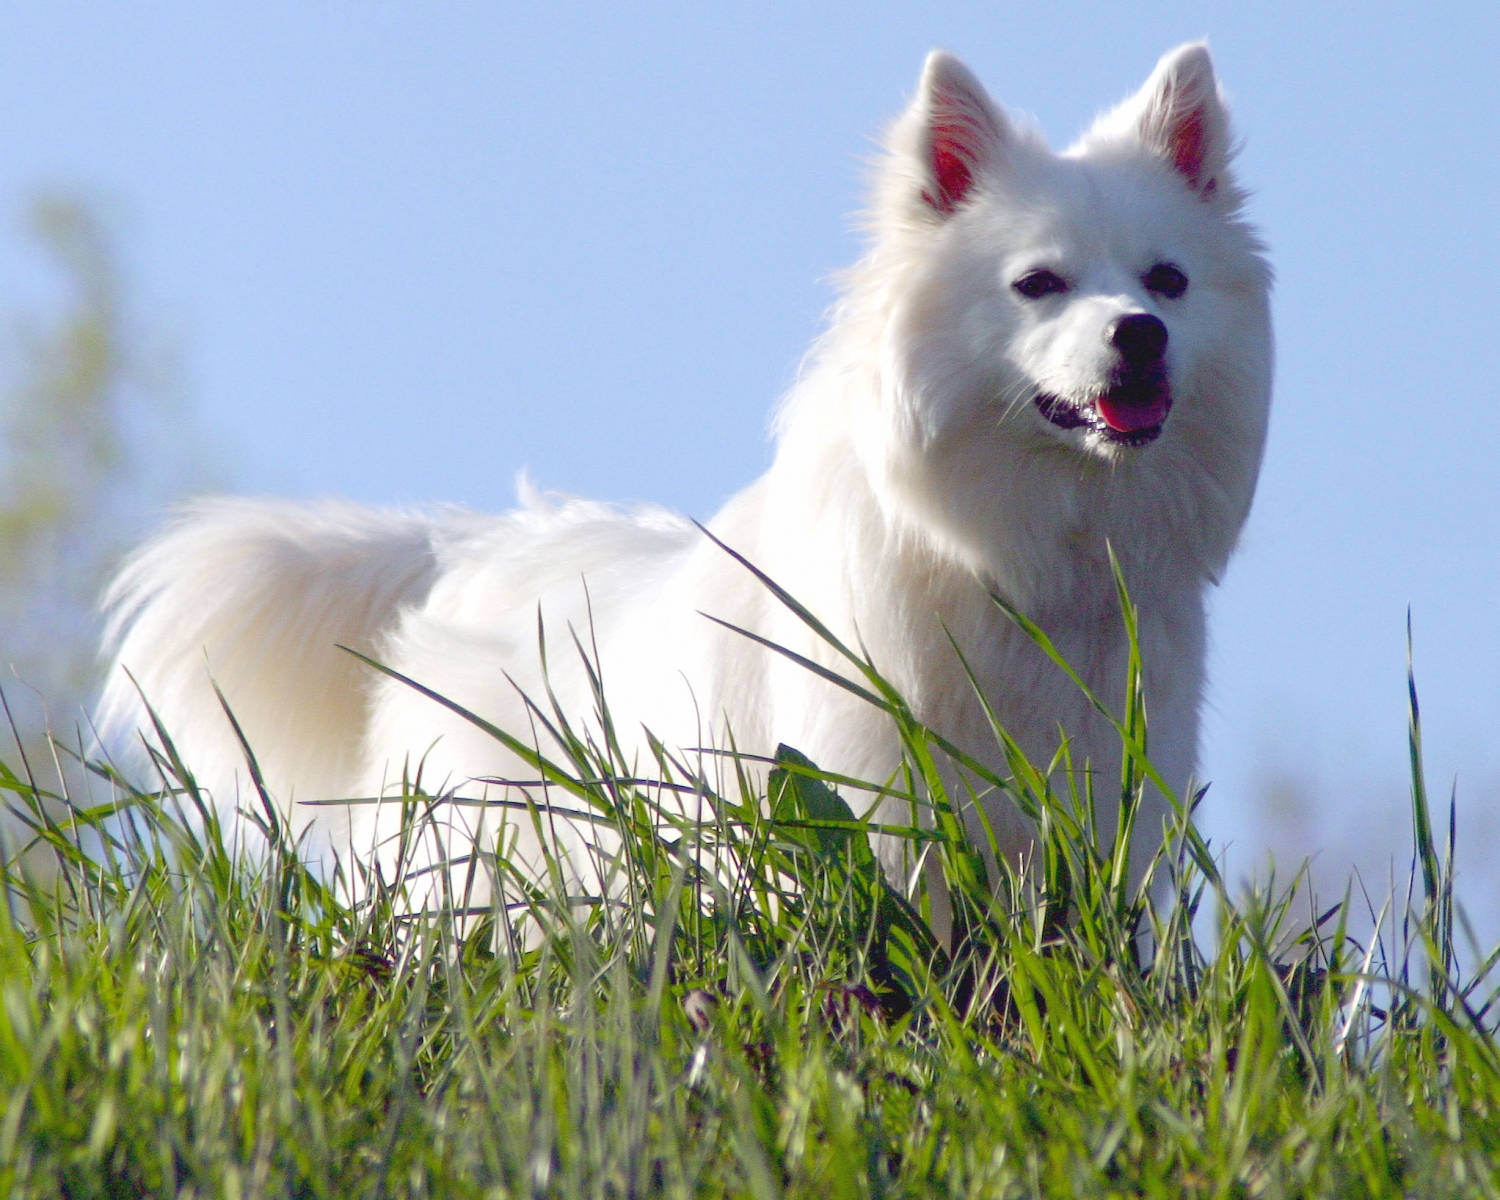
1129,414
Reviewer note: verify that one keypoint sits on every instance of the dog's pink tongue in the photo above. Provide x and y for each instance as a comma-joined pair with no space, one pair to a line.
1132,417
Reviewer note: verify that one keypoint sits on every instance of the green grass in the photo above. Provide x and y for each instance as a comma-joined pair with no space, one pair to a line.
756,1011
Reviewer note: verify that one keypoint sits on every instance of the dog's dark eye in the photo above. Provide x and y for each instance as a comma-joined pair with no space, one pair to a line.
1165,280
1036,284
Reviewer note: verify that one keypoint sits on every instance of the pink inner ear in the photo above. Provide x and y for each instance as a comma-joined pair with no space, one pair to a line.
1188,145
950,168
955,138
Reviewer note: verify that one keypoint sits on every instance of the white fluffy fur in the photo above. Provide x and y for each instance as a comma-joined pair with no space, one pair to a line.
913,475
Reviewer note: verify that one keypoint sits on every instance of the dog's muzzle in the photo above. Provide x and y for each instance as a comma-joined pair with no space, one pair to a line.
1133,408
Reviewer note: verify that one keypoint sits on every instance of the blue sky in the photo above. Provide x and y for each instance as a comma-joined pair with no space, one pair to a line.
406,249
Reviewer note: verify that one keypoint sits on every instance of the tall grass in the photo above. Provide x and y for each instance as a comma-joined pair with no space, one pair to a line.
746,1007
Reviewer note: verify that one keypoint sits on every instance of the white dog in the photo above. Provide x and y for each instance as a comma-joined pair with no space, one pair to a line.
1039,357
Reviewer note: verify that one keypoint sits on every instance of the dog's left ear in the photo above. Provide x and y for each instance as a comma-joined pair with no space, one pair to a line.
961,130
950,135
1180,115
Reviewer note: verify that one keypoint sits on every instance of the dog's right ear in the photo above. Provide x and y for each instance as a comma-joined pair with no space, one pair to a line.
952,133
1179,117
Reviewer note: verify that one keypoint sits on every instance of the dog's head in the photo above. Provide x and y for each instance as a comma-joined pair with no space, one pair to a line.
1083,290
1105,305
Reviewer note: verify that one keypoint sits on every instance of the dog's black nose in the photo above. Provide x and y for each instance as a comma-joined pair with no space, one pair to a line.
1140,337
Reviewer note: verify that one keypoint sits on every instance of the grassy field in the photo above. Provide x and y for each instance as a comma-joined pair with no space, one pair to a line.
752,1010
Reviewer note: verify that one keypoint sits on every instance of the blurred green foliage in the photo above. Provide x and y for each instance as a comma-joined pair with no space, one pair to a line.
92,443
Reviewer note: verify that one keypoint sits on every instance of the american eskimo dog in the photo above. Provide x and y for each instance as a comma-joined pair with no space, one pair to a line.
1041,356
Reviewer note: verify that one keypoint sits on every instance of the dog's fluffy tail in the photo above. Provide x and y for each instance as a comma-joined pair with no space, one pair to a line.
257,596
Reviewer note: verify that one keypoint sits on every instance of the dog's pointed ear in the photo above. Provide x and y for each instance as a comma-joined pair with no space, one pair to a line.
953,131
1180,115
